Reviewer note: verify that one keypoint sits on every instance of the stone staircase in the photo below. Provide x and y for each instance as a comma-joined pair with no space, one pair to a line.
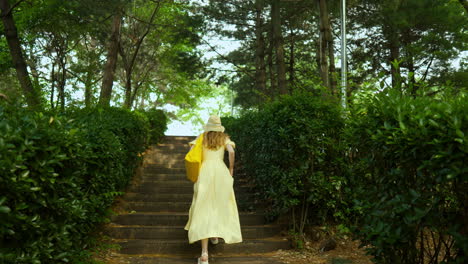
150,230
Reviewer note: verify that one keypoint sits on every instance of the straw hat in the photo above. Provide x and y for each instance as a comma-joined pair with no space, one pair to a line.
214,124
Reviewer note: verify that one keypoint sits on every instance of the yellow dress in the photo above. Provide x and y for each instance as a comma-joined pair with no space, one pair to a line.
213,212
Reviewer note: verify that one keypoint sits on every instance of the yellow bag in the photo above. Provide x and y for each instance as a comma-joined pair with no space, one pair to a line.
193,160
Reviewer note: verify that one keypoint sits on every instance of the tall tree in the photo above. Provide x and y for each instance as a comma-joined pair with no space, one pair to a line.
32,95
278,43
288,63
422,36
260,69
112,53
129,54
326,52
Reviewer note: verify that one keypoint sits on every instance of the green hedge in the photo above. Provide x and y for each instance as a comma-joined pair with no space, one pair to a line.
289,150
158,124
395,172
410,176
59,175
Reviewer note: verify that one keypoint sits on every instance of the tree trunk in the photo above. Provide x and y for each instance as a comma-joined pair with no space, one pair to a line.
411,71
323,44
31,61
273,83
291,61
129,65
52,85
32,95
279,49
260,73
62,80
394,56
128,89
142,100
109,70
88,89
407,38
331,54
332,69
134,94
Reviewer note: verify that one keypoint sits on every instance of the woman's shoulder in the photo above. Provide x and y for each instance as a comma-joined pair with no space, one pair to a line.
191,143
229,142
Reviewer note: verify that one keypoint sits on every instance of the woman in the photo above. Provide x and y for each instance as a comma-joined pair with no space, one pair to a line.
213,213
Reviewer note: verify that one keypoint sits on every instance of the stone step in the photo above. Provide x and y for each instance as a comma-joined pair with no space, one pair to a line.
180,164
164,154
157,197
155,169
164,177
171,206
164,158
171,182
158,206
181,189
178,232
179,177
179,181
184,145
172,139
167,155
174,197
176,219
183,248
159,169
223,258
179,154
172,148
148,189
165,161
155,157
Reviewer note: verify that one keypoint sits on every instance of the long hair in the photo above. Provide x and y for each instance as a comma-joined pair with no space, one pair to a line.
214,140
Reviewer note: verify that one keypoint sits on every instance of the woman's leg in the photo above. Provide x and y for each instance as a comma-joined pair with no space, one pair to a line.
214,240
204,245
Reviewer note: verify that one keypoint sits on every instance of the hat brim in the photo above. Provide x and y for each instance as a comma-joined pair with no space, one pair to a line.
209,128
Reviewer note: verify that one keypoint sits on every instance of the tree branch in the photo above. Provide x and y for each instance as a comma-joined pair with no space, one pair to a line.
464,3
12,7
226,59
427,69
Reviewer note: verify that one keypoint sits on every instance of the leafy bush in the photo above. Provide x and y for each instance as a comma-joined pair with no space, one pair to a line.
410,177
59,174
289,148
158,124
131,129
397,175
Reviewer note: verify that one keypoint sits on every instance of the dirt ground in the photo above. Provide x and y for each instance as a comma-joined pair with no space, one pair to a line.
346,252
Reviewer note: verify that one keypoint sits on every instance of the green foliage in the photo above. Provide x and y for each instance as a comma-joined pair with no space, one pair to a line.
426,36
59,175
395,176
409,177
100,126
289,148
157,124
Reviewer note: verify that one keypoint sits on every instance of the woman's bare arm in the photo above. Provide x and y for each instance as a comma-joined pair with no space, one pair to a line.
232,157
